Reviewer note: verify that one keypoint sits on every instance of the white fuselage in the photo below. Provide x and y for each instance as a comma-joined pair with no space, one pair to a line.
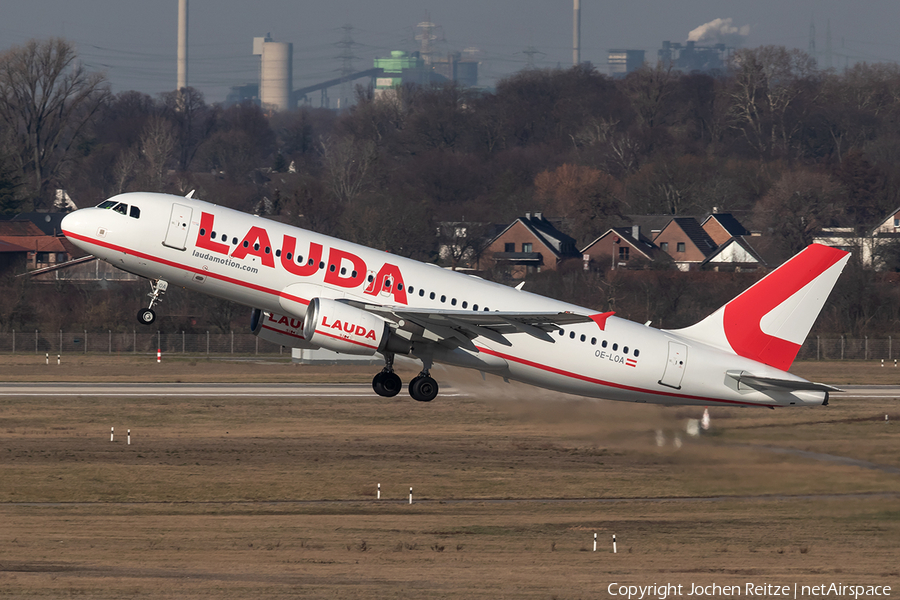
246,262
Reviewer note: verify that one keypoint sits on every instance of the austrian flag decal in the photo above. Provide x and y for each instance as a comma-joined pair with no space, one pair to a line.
630,362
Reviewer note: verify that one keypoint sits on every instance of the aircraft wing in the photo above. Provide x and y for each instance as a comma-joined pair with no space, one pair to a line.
771,383
459,327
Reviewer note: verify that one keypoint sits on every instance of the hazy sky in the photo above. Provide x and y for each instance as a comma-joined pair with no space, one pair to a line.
134,41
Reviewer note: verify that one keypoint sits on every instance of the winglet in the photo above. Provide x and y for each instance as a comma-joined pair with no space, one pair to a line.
600,319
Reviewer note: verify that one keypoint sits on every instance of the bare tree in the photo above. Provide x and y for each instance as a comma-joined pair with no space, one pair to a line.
347,164
47,99
767,95
158,143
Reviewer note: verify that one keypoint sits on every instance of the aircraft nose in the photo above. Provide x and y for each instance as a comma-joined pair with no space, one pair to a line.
69,223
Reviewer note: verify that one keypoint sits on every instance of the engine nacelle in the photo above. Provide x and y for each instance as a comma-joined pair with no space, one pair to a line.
278,329
342,328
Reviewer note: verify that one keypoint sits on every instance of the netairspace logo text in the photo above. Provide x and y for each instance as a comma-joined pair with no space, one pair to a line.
752,590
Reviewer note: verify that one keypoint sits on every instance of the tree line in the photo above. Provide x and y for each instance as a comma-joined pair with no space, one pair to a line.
791,147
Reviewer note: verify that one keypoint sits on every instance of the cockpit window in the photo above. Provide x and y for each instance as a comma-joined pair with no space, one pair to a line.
121,208
106,204
135,212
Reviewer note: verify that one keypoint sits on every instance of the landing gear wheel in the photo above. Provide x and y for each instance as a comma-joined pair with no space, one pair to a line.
386,384
423,388
146,316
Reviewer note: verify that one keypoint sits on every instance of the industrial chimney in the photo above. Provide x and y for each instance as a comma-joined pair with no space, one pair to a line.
182,43
576,34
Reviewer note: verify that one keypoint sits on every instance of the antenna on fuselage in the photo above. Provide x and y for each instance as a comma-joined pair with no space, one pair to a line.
190,194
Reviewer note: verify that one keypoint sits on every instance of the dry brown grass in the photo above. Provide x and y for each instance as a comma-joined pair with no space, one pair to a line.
274,497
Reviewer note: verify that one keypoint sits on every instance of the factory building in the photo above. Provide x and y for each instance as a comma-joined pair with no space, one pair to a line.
622,62
690,57
409,67
275,73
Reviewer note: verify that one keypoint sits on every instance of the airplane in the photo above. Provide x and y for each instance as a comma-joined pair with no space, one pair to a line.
308,290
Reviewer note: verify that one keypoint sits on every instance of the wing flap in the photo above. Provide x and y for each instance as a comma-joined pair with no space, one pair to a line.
459,327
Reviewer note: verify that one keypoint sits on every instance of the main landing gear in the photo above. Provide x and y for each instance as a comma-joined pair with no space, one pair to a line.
388,384
146,316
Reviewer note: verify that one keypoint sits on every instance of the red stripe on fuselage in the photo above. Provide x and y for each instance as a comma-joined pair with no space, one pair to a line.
611,384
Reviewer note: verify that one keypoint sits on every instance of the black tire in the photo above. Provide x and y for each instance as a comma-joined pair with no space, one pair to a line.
391,384
146,316
378,383
423,389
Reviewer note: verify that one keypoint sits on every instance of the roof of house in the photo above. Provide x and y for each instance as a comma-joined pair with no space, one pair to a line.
7,247
558,242
728,223
36,243
19,228
643,245
696,234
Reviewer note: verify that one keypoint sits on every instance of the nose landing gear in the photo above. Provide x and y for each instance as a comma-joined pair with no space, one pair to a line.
146,316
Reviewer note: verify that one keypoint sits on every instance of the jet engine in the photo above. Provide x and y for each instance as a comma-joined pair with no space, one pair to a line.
342,328
283,330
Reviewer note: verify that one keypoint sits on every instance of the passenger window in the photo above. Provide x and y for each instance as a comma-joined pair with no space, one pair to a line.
331,268
343,270
615,347
224,237
465,304
625,349
453,301
421,292
603,344
431,295
411,289
562,332
572,335
593,341
135,212
443,298
278,252
637,353
474,307
234,241
583,337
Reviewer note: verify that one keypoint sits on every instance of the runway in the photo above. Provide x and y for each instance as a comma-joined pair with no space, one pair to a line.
289,390
198,390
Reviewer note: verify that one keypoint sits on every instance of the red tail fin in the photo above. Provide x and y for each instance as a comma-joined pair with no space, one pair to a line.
770,321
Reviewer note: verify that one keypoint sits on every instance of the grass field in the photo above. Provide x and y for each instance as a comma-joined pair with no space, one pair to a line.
275,497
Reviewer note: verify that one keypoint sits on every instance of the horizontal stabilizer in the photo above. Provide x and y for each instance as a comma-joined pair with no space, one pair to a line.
771,383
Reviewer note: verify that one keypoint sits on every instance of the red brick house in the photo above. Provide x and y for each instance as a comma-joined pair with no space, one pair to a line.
529,244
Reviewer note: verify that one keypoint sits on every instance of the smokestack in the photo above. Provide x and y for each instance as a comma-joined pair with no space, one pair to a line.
182,43
576,34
